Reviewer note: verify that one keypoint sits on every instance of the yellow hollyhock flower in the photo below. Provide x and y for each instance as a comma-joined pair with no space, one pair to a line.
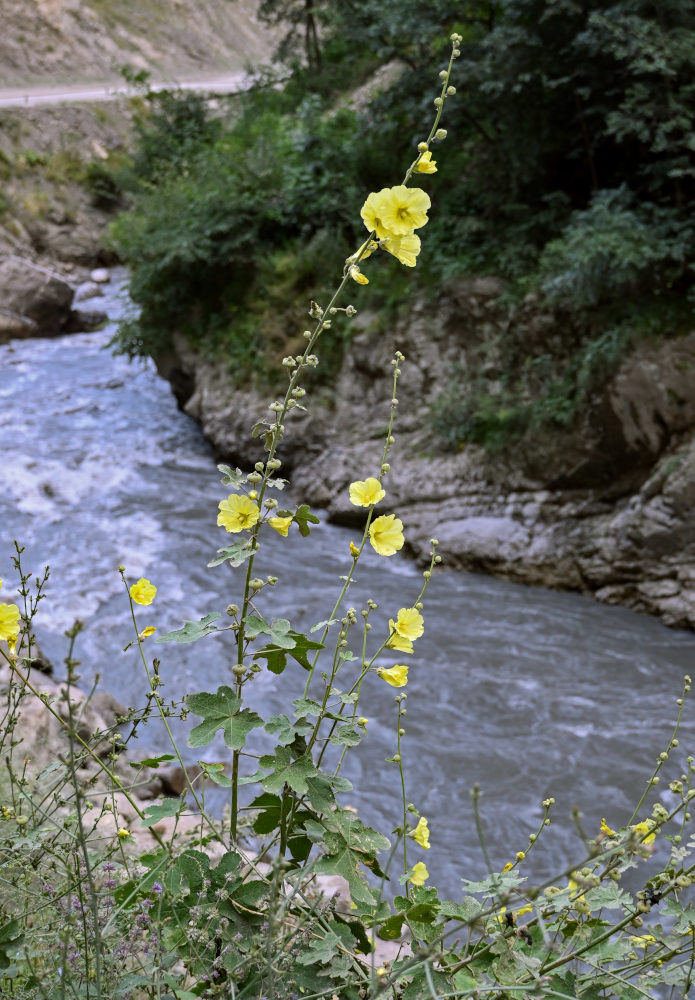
367,493
9,623
607,830
426,165
421,833
409,623
147,632
642,940
357,275
386,534
143,591
501,916
419,874
237,513
281,524
354,551
645,827
396,676
396,641
405,248
403,209
372,211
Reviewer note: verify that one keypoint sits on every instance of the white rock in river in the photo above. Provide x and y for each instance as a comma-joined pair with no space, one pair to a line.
100,275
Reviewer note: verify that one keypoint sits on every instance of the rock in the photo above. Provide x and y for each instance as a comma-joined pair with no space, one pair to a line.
100,276
87,290
36,300
85,320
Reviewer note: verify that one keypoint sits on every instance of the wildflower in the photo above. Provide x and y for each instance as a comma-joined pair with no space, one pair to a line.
505,918
396,641
395,211
367,493
426,165
9,622
409,623
354,551
357,275
362,721
386,534
396,676
419,874
143,591
645,831
642,940
237,513
281,524
421,833
123,834
607,830
147,632
508,867
405,248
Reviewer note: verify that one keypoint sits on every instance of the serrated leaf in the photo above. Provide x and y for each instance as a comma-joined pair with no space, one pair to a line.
153,762
320,793
325,624
192,631
236,553
286,771
255,625
231,477
342,861
303,518
215,772
468,909
281,634
306,706
276,658
221,711
251,893
347,736
285,731
392,928
277,484
162,810
302,645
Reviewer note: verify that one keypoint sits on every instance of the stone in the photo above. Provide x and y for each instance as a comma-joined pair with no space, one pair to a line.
87,290
85,320
100,276
36,300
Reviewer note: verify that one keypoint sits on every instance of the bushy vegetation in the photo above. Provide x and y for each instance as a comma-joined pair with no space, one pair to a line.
570,171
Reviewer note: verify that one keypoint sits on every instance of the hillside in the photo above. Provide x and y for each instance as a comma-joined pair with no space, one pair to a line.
80,41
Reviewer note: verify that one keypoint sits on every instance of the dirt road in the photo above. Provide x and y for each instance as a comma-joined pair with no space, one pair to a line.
33,96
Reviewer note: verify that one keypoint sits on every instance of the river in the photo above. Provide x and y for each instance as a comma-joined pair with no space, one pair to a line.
526,691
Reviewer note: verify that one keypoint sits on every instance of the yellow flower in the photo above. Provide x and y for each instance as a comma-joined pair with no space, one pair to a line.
147,632
508,867
386,534
123,833
419,874
9,622
354,551
143,591
645,827
357,275
237,512
642,940
281,524
396,676
409,623
405,248
426,165
501,917
395,211
367,493
396,641
421,833
607,830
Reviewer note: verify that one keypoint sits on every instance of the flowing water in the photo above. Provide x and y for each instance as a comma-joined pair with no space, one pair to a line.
529,692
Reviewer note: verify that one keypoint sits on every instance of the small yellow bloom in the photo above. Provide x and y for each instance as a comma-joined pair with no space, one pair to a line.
426,165
281,524
421,833
645,827
123,833
386,534
409,623
367,493
508,867
143,592
405,248
9,622
396,641
607,830
147,632
396,676
357,275
642,940
501,916
381,971
237,513
354,551
419,874
362,721
520,855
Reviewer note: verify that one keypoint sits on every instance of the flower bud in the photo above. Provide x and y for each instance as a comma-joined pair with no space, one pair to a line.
437,102
450,91
232,609
422,146
254,477
274,463
256,584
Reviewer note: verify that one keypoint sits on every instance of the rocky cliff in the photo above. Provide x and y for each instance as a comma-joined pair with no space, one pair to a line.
606,507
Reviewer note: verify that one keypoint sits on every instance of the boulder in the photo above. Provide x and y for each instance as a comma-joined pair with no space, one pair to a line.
35,300
85,320
87,290
100,276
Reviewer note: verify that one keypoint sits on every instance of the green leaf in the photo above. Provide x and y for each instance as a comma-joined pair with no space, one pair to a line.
215,772
231,477
306,706
303,517
269,818
251,893
322,949
347,736
392,928
286,771
325,624
255,625
320,793
302,645
11,938
153,761
468,909
221,711
285,731
162,810
281,635
192,631
236,553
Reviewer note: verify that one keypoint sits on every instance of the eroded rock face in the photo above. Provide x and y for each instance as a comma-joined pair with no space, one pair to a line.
34,300
607,508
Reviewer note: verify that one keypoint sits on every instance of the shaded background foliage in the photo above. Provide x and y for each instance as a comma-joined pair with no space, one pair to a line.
568,170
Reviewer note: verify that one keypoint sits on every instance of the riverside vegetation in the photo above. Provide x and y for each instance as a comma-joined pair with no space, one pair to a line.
234,906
